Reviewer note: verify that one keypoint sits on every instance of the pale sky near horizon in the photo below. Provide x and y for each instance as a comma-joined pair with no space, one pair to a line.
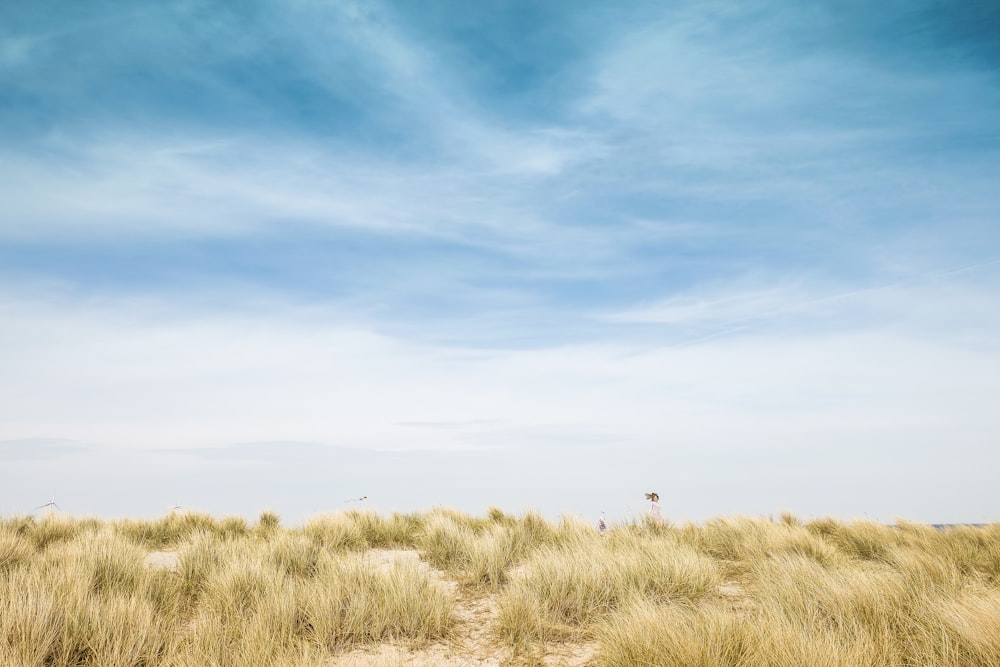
278,255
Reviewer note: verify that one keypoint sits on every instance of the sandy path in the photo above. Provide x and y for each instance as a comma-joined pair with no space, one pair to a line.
471,644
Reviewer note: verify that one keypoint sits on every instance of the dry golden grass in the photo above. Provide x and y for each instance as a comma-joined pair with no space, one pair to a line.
448,588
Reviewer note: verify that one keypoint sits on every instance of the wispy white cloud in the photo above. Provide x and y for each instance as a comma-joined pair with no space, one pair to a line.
224,185
943,304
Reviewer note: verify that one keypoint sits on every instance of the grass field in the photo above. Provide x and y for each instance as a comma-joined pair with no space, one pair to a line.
442,588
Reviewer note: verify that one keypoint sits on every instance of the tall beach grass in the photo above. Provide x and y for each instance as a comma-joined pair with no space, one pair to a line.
735,591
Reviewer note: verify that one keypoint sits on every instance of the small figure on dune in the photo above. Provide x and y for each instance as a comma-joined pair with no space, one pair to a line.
602,525
654,507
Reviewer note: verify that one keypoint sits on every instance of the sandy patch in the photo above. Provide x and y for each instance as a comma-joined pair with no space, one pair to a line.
163,560
386,559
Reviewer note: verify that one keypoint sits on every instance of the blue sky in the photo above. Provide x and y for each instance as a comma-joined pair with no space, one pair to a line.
535,255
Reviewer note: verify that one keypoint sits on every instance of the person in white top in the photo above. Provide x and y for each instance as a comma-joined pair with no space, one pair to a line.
654,507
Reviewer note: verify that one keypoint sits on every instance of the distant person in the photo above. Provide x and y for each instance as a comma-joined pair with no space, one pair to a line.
602,525
654,507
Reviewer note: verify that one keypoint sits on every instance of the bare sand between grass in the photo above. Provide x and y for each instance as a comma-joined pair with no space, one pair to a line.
163,560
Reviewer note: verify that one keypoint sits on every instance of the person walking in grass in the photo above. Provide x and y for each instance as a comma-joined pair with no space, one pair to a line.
654,507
